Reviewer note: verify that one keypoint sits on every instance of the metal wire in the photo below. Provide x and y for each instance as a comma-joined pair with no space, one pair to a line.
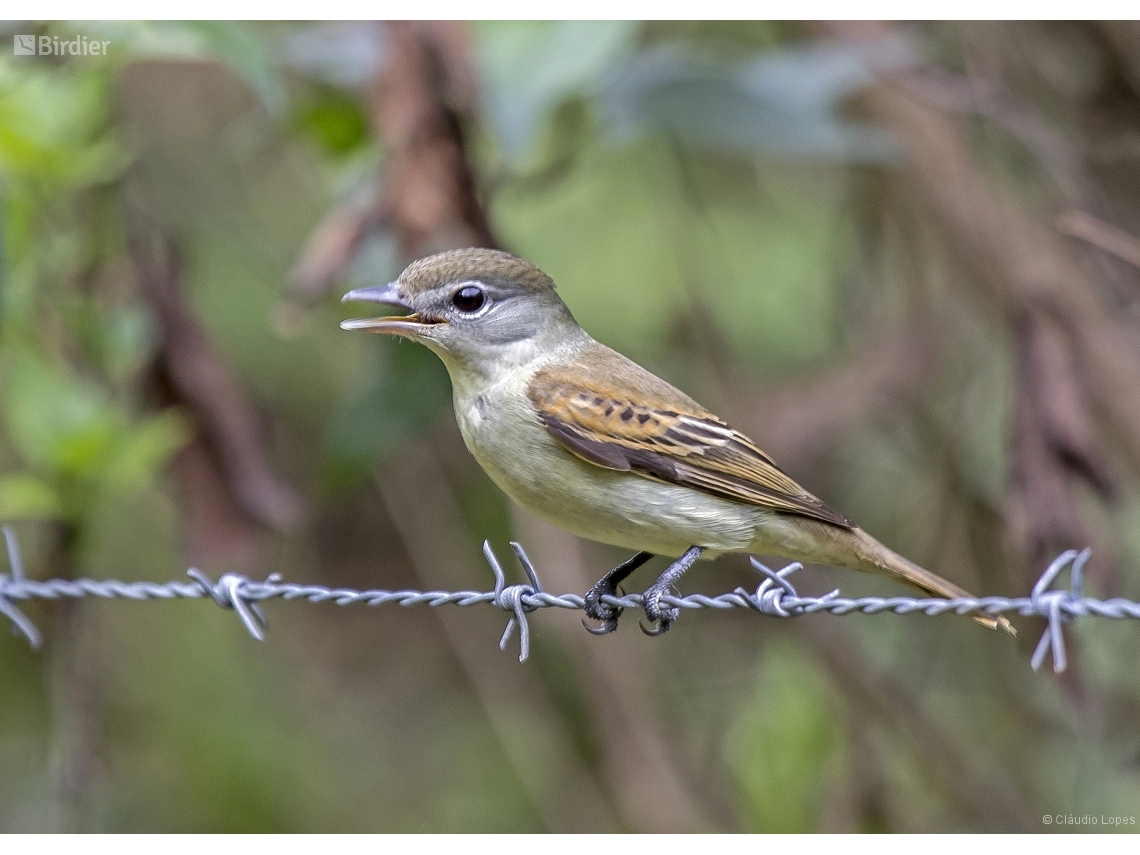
774,596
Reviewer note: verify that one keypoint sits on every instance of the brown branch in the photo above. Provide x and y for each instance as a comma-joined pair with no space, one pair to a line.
76,695
197,378
989,98
1019,259
801,424
1054,443
1096,231
418,104
332,246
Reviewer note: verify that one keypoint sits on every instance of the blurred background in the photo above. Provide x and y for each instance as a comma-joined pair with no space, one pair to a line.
904,259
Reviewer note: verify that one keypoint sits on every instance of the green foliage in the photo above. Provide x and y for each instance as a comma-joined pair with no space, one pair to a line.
334,120
52,127
27,497
785,747
68,356
763,262
80,445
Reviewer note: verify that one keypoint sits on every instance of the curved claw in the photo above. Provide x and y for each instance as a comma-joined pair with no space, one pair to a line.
651,599
605,629
663,617
610,584
599,611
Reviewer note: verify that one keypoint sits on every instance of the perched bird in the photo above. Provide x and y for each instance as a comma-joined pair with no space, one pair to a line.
592,442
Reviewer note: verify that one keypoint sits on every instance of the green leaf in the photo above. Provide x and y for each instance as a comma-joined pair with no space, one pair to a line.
26,497
337,122
56,421
145,450
52,127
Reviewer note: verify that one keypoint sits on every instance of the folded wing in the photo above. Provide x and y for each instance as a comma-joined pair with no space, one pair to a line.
636,422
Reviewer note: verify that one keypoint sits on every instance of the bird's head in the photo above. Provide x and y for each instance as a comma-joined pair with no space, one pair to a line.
474,307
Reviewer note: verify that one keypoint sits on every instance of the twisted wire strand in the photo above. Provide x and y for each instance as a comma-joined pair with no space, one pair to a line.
774,596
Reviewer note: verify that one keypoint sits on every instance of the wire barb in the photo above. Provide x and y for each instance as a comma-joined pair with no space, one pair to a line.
1057,606
510,597
230,593
775,596
20,621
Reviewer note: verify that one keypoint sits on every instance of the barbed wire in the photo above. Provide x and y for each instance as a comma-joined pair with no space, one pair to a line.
775,596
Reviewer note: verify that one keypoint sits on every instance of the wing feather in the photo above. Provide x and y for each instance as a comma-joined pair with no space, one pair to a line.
637,422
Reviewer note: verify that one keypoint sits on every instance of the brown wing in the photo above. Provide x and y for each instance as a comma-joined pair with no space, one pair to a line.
636,422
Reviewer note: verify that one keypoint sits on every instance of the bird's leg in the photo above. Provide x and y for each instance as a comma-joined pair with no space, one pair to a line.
664,617
607,614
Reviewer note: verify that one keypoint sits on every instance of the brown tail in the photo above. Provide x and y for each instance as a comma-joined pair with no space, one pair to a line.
876,558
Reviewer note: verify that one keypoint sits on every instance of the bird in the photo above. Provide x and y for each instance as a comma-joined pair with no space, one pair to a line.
590,441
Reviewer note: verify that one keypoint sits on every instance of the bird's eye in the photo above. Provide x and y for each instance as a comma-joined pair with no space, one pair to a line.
469,299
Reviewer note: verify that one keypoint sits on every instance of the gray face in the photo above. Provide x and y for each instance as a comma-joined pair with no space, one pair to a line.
476,319
489,312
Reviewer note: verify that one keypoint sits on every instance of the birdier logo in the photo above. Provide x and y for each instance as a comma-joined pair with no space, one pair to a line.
54,46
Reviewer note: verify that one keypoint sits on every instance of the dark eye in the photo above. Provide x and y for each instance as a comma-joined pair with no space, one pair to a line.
469,299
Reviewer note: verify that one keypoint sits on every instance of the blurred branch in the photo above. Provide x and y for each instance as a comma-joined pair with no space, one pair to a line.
198,380
1124,36
426,195
800,424
1054,442
991,99
994,101
1027,270
1096,231
418,104
76,687
333,244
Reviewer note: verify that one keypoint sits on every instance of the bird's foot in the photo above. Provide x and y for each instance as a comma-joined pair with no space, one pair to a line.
597,610
661,618
608,585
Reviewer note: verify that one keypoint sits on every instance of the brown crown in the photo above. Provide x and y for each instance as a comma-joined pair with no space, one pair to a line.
473,263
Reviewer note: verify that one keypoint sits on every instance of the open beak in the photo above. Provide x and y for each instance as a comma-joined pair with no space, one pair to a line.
388,295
